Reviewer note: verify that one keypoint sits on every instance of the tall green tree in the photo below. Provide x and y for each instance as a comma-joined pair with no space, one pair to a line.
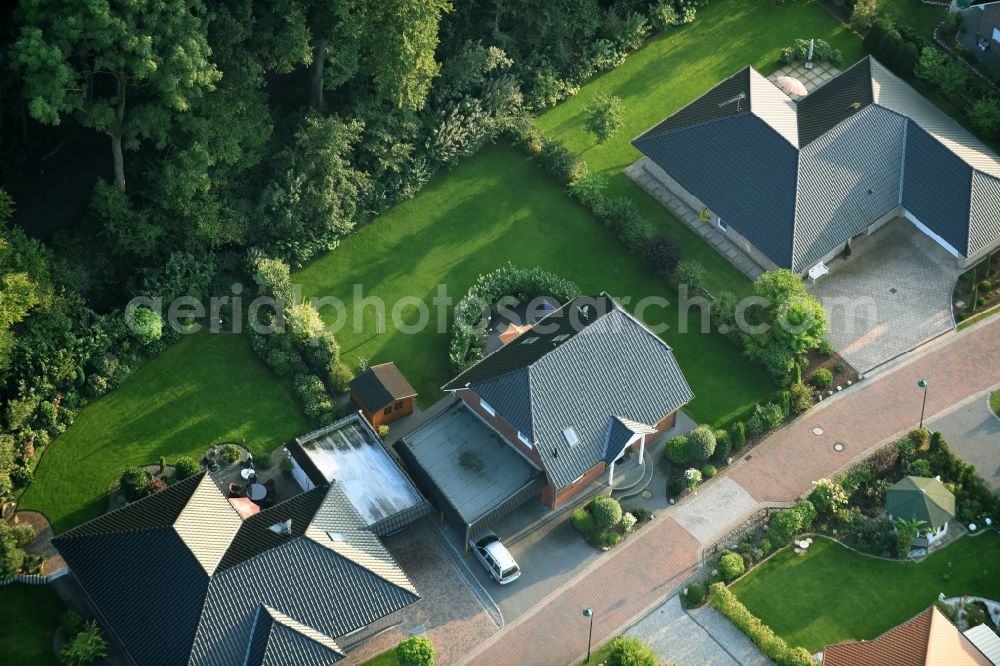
605,117
121,68
23,277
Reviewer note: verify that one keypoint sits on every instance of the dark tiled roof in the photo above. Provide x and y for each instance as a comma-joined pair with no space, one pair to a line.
854,148
938,196
277,641
726,99
743,169
381,385
256,536
158,510
326,578
611,366
834,102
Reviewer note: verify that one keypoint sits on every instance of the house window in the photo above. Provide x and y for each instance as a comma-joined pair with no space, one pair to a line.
398,406
387,411
524,440
570,436
487,407
721,225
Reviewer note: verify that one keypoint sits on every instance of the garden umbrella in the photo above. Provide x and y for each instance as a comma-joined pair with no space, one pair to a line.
791,85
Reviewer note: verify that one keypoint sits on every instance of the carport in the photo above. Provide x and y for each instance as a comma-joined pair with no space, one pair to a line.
470,474
890,296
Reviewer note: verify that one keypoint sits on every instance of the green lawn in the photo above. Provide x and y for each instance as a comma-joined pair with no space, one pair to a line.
833,594
995,402
204,389
922,18
29,615
493,208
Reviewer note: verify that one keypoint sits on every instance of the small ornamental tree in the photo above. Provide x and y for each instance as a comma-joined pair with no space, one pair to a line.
86,647
605,117
787,523
738,435
731,566
662,254
229,453
676,450
822,379
155,485
692,476
800,398
415,651
701,443
133,483
607,511
627,651
695,594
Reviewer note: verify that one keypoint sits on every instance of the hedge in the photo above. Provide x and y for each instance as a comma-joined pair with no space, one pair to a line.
524,284
772,645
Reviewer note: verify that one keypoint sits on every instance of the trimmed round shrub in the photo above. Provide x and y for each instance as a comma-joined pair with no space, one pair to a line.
184,467
695,594
611,538
583,521
676,487
676,449
229,453
133,483
146,325
627,651
415,651
606,511
731,566
823,378
708,471
765,546
701,443
723,445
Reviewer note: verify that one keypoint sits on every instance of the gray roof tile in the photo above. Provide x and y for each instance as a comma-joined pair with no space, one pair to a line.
613,366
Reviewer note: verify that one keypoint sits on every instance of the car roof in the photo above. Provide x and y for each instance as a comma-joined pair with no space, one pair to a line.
500,554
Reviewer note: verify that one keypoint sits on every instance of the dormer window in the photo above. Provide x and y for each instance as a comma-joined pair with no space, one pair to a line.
570,435
487,407
336,536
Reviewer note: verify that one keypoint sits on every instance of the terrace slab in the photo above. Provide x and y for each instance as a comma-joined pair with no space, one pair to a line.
714,508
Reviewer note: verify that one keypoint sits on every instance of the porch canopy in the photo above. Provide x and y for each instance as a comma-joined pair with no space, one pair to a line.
467,470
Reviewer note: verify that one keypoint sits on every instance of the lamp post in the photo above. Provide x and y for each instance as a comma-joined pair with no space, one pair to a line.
923,384
587,613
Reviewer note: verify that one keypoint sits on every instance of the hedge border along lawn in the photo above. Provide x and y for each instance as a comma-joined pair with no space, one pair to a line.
834,594
205,389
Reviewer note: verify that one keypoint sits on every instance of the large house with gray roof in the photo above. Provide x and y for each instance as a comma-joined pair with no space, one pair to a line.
180,578
792,182
570,396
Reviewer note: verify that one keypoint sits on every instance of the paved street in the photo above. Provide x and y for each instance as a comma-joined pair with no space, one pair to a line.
680,638
973,431
641,574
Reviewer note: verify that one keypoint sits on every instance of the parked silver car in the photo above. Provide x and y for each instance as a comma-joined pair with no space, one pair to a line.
495,557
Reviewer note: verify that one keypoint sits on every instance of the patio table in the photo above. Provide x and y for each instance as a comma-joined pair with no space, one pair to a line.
247,472
256,492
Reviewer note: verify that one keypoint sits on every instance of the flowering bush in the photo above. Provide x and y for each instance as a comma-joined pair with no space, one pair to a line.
628,523
693,477
828,496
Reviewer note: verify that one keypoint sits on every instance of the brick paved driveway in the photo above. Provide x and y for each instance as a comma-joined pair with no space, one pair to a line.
892,295
643,572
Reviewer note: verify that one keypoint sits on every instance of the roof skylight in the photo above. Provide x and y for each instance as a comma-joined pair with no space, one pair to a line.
570,435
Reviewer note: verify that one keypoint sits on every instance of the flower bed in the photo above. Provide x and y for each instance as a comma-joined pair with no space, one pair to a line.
603,523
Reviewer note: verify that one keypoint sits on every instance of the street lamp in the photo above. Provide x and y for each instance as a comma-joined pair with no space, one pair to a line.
923,384
589,614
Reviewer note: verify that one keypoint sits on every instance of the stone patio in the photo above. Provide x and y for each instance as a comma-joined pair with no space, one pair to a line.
820,73
890,296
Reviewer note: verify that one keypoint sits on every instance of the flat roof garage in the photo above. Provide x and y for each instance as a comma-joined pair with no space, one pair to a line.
349,453
470,473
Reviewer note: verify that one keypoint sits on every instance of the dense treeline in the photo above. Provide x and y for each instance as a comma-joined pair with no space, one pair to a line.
237,131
